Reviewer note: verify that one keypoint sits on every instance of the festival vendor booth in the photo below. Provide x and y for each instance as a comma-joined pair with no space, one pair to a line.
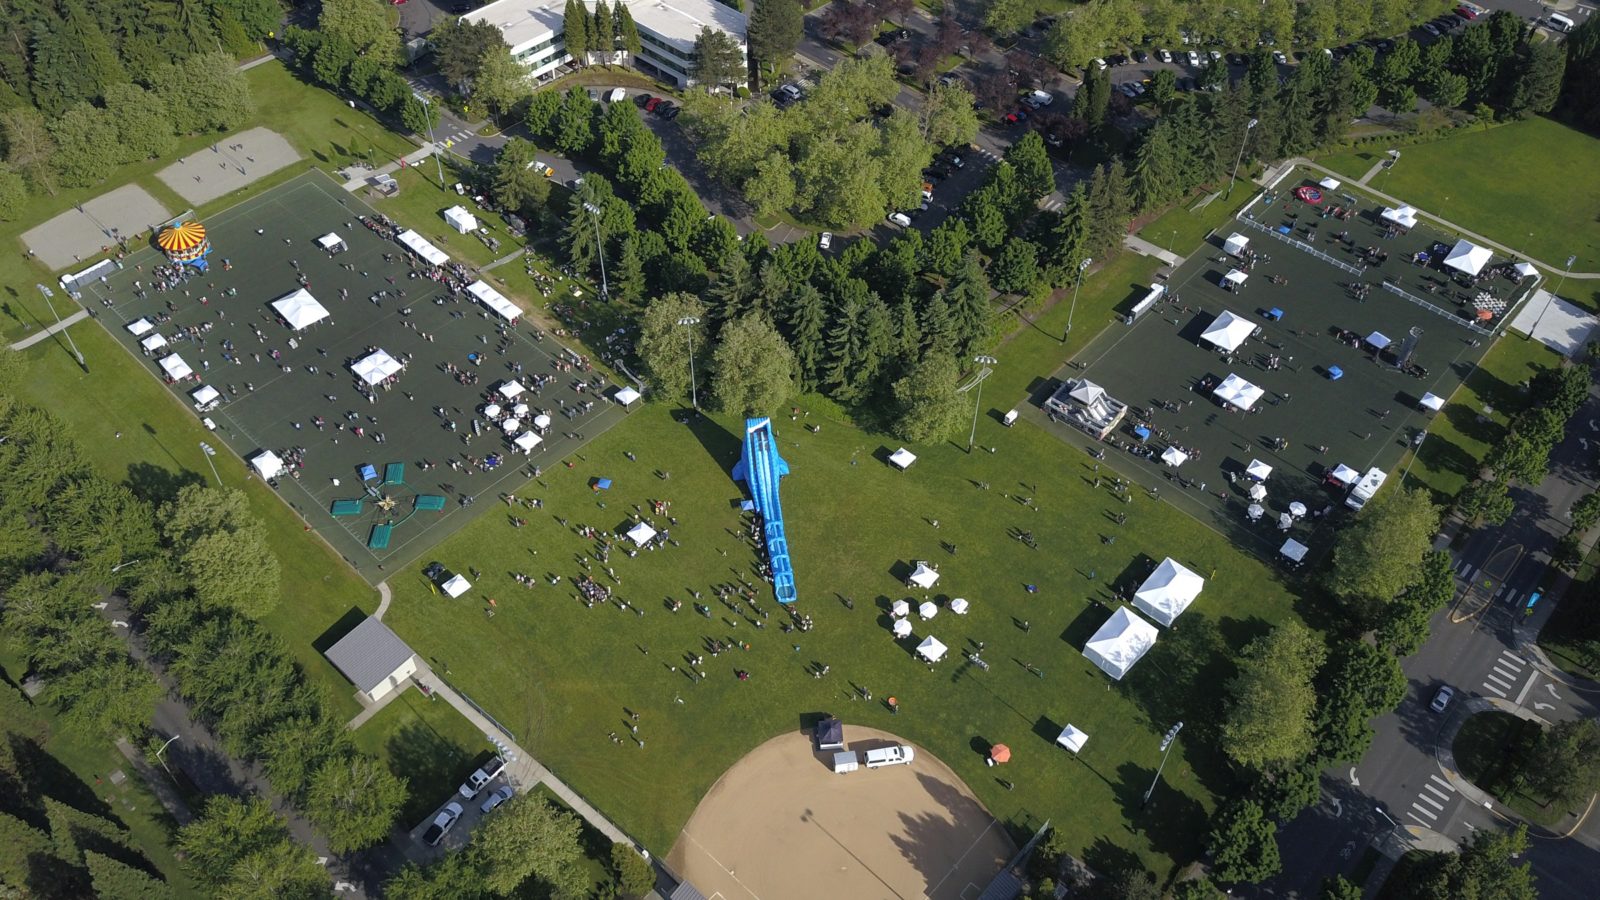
626,396
927,610
1258,492
1343,476
1254,512
960,606
140,327
332,243
1228,332
1526,270
461,220
1168,591
1378,340
185,243
1234,280
375,367
932,649
527,440
900,608
923,576
175,368
1294,551
299,310
1468,258
1235,244
1073,738
419,245
1174,457
1431,402
1258,470
830,734
267,464
1238,393
455,586
641,534
205,397
902,459
1087,405
152,342
494,301
1120,642
901,628
1403,217
510,389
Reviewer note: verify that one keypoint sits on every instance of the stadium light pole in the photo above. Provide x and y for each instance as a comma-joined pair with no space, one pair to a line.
1166,749
977,400
600,248
162,760
211,451
427,113
688,323
61,329
1554,294
1240,158
1073,309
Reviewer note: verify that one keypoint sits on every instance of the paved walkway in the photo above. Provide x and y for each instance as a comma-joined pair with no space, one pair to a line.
411,159
1144,248
62,325
384,596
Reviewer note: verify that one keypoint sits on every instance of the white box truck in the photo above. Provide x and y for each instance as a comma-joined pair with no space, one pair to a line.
897,755
1366,488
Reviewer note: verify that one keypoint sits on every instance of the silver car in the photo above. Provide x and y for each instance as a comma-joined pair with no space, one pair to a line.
500,796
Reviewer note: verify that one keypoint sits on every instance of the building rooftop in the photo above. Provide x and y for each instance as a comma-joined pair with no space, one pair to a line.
369,654
526,22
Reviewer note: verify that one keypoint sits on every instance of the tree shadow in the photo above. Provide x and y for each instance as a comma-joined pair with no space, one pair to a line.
930,840
157,485
1173,822
45,776
431,764
720,444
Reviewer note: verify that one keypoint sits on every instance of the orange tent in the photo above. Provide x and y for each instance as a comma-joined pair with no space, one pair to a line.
1000,753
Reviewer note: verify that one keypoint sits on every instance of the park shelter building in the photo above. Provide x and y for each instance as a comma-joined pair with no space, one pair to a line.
534,29
373,657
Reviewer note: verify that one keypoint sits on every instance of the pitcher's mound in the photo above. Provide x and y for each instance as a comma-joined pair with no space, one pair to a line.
780,824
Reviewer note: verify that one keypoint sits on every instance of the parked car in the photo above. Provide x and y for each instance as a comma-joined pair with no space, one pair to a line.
1117,59
616,95
1164,55
642,99
1466,12
501,795
1431,29
1280,58
1098,63
1016,117
901,219
1193,58
485,774
442,823
790,92
651,104
664,107
1139,56
891,37
1442,698
825,240
671,113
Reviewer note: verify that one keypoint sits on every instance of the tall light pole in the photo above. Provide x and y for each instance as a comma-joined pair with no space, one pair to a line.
1394,157
1559,281
427,113
1392,823
977,401
1240,158
163,749
123,565
687,323
1166,748
600,248
1073,309
211,451
44,289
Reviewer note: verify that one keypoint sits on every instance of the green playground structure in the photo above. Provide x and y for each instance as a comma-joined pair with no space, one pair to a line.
394,473
347,507
429,502
380,537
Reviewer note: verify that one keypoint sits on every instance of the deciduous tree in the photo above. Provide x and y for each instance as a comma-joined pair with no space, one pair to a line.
928,407
243,849
752,368
664,344
1381,553
353,801
1271,701
529,837
1243,844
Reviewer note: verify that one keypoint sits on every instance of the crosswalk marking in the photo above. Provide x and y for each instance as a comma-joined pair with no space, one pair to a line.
1494,690
1431,802
1419,808
1503,673
1442,795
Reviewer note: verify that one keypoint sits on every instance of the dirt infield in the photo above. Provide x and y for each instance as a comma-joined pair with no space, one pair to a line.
780,824
87,229
231,163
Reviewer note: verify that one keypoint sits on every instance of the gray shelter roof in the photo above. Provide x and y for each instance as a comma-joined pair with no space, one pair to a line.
369,654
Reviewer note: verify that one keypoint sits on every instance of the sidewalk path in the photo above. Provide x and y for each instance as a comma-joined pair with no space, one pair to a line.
384,596
411,159
62,325
1144,248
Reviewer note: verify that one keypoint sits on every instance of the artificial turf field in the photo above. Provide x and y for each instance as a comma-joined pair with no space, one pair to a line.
269,403
1366,418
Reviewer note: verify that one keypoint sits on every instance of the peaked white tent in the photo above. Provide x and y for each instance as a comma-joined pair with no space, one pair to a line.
1294,550
901,608
928,609
1258,470
1235,244
267,464
419,245
1235,391
153,342
332,243
456,586
959,606
1343,474
1404,216
1526,270
1331,184
205,396
1258,492
175,367
924,577
527,440
1468,257
931,649
1254,511
461,220
1432,401
1174,457
1120,642
902,459
1073,738
510,389
627,396
1168,591
299,309
494,301
1228,332
511,426
641,533
140,326
1378,340
1234,280
901,628
376,366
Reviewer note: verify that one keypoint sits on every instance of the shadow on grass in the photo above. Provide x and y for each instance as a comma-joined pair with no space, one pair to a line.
1473,425
156,485
45,776
1173,822
721,445
431,764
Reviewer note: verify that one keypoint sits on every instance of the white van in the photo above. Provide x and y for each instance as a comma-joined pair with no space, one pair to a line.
901,219
898,755
1558,22
616,95
1037,99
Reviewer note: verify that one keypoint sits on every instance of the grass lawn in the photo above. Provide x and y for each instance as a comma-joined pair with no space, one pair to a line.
425,742
1487,747
1477,415
1182,228
1546,209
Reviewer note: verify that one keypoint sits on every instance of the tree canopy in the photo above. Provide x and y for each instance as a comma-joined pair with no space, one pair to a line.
1271,701
1381,553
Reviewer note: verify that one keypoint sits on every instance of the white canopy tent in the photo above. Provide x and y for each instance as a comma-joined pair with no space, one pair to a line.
332,243
901,628
931,649
1235,391
511,426
924,577
1526,270
1294,550
902,459
267,464
959,606
1073,738
1468,257
641,533
456,586
495,301
1174,457
901,608
928,609
510,389
1258,470
1285,521
1378,340
1331,184
527,440
205,396
1404,216
1168,591
1120,642
153,342
1254,511
461,220
1228,332
1235,244
175,367
1258,492
1432,402
140,326
419,245
627,396
1343,474
375,367
1297,509
492,410
300,309
1234,280
520,410
541,421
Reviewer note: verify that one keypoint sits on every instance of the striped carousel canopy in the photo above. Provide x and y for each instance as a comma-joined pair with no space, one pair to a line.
180,237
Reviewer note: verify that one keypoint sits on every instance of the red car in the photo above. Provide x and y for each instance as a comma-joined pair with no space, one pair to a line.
1466,12
651,104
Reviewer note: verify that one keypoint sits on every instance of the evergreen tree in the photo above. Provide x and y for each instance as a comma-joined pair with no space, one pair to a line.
968,296
1072,232
1094,98
1541,68
627,32
805,319
576,25
1035,176
938,326
604,34
1016,269
846,346
114,880
627,273
95,57
946,246
718,60
1155,166
731,291
774,31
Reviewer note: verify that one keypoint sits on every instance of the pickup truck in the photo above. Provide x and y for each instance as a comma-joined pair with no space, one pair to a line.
897,755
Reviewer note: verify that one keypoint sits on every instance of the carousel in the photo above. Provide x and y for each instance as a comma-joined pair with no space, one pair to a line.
185,244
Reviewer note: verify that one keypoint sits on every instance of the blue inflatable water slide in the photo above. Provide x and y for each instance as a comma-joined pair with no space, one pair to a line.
760,466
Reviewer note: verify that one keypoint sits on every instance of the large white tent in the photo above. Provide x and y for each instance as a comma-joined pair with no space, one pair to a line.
627,396
300,309
140,326
461,220
1228,332
924,577
1468,257
153,342
376,366
1120,642
1073,738
1234,280
931,649
527,440
495,301
1294,550
419,245
1432,402
1258,470
641,533
205,396
1235,391
1235,244
175,367
267,464
510,389
902,458
1168,591
332,243
1378,340
456,586
1174,457
1403,216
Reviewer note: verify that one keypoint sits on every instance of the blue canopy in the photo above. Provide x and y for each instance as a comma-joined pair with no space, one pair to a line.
369,472
601,484
1142,433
